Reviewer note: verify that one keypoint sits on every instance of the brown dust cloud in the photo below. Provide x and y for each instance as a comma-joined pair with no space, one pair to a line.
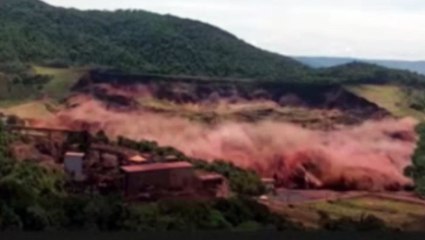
370,156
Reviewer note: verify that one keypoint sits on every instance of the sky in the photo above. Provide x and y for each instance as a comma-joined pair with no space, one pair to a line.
374,29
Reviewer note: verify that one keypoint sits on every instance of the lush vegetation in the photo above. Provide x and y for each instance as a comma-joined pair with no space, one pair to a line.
400,101
34,32
61,80
237,214
417,170
364,223
28,191
416,98
21,85
358,72
241,181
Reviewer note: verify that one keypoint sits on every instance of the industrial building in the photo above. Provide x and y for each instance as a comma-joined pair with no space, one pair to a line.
138,159
106,167
172,177
269,184
212,184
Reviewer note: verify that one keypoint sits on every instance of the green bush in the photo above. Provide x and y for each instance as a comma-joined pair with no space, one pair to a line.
241,181
417,170
365,223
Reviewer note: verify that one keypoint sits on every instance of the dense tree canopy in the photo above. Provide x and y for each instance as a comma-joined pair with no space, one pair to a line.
31,31
417,170
358,72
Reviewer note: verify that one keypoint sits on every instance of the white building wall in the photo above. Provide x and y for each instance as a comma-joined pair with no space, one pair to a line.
74,166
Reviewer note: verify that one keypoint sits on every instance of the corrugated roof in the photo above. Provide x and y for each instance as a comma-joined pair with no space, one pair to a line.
155,167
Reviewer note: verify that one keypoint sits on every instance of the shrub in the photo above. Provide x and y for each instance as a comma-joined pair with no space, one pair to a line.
417,170
364,223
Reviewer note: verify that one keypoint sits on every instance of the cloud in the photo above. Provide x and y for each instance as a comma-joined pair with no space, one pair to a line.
357,28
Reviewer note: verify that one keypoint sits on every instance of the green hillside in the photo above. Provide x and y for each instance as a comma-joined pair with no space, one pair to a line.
62,79
34,32
395,99
37,82
366,73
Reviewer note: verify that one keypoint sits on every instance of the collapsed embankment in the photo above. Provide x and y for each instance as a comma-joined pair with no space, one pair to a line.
124,90
369,155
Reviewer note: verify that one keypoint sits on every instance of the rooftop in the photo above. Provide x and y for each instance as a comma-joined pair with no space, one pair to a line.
268,180
74,154
43,129
207,176
156,167
137,158
115,150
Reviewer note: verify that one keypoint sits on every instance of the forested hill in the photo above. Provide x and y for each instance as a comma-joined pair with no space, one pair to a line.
359,72
325,62
34,32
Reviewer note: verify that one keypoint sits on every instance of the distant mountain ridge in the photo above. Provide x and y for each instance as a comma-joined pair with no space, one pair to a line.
325,62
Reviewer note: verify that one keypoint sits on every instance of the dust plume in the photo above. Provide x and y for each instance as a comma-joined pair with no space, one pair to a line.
370,156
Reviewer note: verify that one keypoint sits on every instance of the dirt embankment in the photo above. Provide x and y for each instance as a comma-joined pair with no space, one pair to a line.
123,90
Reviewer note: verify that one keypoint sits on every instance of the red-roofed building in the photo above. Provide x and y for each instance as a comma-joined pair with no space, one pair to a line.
212,184
156,167
176,176
137,159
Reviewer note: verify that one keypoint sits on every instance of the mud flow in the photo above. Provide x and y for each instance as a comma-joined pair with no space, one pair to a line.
367,152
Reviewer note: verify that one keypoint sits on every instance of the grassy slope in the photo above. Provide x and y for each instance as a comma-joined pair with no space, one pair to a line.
33,109
5,104
57,88
62,80
390,97
395,213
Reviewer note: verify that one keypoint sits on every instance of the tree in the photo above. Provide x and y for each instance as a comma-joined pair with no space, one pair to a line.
417,170
101,137
27,191
13,120
364,223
